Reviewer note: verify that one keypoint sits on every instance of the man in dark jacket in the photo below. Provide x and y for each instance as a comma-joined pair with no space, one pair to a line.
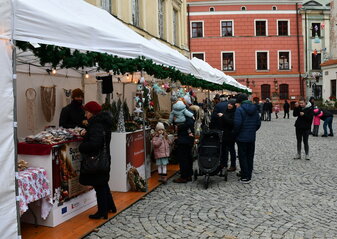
228,140
327,118
268,109
246,123
73,114
305,115
286,108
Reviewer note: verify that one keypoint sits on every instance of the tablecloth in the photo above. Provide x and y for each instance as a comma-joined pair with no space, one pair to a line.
39,149
33,186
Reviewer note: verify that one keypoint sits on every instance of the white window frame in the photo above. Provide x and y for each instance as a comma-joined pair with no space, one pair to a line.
268,66
225,20
266,20
234,67
192,53
283,20
203,28
278,60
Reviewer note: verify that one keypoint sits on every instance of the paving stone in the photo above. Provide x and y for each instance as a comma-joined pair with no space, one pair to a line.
287,198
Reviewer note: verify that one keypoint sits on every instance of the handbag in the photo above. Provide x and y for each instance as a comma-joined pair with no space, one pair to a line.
99,163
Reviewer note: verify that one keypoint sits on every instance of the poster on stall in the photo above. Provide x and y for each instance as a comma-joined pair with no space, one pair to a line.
135,153
66,169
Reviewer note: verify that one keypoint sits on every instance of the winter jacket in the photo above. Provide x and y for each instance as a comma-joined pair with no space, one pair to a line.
286,107
305,121
183,134
161,147
317,116
93,142
72,115
246,122
267,107
326,114
276,109
215,119
227,125
179,112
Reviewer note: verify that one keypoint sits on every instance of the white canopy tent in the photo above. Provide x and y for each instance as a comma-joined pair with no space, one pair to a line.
67,23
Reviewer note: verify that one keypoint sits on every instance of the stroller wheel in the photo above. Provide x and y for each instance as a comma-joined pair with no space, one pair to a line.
206,181
195,175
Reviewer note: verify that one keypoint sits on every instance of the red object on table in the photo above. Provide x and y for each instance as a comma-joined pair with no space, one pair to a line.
39,149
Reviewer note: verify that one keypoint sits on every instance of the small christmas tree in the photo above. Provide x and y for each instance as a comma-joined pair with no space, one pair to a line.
121,122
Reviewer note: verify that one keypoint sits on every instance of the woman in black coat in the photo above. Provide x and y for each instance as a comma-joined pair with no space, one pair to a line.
305,114
97,136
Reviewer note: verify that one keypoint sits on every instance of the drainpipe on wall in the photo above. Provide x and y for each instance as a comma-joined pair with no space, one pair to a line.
306,41
188,28
298,53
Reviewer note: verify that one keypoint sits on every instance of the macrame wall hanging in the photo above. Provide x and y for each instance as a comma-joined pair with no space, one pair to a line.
48,101
30,108
67,97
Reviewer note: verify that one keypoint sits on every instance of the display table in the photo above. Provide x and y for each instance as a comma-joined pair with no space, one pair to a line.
62,165
33,186
127,151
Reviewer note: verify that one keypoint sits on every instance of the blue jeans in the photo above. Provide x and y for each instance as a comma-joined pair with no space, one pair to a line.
246,151
328,122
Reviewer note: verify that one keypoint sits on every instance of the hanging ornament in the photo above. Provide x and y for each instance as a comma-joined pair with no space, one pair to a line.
322,25
158,90
316,40
142,80
30,106
315,52
139,87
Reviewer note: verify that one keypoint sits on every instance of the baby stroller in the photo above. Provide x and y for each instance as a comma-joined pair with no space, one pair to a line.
209,156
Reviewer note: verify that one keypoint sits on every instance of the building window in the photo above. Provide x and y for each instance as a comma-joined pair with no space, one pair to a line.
262,60
197,29
243,8
274,8
333,88
175,27
283,28
135,13
227,28
228,61
106,5
161,18
211,9
261,28
284,60
284,91
316,28
316,61
265,91
199,55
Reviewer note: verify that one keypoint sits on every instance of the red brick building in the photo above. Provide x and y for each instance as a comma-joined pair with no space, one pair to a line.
259,43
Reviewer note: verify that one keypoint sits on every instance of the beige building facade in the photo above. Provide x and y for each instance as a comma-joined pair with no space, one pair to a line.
165,20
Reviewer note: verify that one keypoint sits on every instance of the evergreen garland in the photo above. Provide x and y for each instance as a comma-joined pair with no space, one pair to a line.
65,58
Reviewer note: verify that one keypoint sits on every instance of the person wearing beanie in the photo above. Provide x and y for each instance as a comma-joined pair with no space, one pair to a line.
98,136
246,123
228,140
161,148
73,114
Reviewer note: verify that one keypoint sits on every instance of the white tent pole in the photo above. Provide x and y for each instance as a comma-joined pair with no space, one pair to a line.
15,121
15,125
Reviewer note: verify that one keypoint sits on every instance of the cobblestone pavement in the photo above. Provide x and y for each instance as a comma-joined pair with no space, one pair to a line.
287,198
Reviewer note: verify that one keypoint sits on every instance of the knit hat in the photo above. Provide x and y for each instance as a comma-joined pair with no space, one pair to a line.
77,93
160,126
93,107
232,101
241,97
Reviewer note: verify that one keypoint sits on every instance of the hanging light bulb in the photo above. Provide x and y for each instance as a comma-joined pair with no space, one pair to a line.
86,75
53,71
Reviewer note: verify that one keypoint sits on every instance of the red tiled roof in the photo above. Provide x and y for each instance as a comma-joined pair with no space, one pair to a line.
329,62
